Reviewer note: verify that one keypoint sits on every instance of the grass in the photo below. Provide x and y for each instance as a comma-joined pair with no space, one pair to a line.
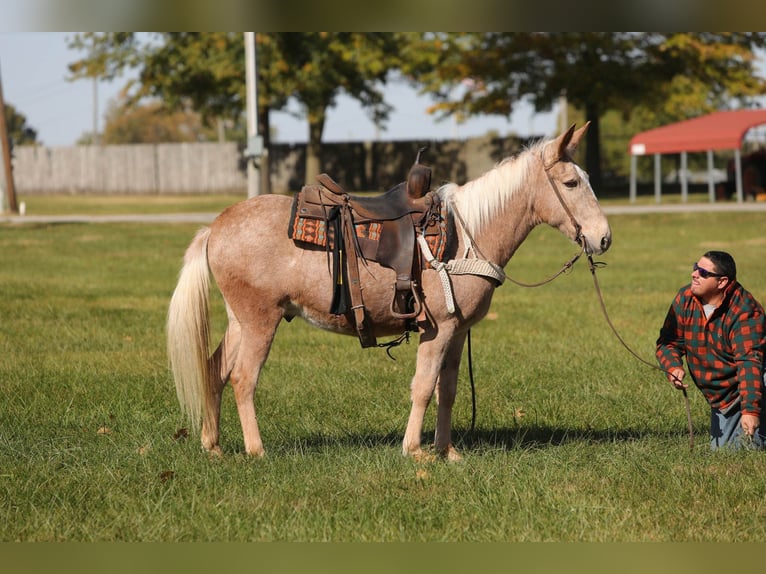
118,204
575,439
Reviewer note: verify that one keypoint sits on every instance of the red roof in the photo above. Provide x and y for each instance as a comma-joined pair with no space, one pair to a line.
717,131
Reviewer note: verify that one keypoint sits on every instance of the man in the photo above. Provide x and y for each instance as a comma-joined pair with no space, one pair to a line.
720,328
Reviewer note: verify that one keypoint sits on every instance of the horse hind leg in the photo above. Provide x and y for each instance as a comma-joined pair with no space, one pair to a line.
221,365
256,340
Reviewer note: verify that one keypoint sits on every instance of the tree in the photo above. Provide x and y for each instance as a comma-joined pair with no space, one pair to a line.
19,132
668,77
325,64
205,72
152,123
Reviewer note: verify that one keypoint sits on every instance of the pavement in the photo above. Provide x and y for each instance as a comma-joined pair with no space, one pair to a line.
205,218
127,218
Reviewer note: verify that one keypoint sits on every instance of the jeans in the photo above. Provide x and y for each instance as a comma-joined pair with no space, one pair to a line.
726,431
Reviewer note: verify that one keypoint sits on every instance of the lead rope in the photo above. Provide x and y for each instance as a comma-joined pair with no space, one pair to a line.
593,266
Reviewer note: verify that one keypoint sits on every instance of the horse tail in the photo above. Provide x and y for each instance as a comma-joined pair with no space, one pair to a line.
188,331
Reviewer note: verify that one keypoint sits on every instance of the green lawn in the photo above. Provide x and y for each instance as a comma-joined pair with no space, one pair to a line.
575,441
121,204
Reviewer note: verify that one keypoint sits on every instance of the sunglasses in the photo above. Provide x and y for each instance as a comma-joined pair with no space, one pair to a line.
704,273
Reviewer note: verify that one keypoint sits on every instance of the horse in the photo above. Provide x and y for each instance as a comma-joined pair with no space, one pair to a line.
265,278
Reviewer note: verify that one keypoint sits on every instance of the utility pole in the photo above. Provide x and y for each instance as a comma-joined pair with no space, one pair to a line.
254,148
95,111
5,142
95,138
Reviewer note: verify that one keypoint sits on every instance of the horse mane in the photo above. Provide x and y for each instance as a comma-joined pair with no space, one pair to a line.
480,200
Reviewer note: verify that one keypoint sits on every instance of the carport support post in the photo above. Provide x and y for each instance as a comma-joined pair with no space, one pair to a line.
738,173
657,180
633,167
684,181
710,184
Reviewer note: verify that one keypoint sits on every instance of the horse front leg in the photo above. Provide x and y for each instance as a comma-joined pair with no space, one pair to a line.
430,357
446,391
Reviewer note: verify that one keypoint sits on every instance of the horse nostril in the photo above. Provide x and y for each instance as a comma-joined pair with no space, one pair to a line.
606,241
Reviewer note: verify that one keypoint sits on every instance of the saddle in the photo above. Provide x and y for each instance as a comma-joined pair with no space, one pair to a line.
382,228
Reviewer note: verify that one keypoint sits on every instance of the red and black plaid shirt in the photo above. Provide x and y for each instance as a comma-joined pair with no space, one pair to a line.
724,353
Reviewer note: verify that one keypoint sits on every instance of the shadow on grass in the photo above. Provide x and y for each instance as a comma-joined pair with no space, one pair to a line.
544,436
467,441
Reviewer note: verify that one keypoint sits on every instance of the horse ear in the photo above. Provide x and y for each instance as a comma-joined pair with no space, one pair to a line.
576,137
557,149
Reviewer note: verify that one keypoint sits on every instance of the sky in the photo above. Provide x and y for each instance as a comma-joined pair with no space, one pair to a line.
33,71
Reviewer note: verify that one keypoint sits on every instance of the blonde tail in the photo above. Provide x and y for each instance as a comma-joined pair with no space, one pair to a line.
188,331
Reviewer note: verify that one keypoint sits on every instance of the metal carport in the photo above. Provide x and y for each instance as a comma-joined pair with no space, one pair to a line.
713,132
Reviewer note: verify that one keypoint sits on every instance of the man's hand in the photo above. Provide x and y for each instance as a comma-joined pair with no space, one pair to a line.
676,376
749,424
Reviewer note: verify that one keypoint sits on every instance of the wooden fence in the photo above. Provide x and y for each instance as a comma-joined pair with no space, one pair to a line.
203,168
129,169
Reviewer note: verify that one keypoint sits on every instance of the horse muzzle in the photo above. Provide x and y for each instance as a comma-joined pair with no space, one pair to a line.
594,246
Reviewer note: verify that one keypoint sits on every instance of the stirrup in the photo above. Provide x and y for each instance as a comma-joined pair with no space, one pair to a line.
418,305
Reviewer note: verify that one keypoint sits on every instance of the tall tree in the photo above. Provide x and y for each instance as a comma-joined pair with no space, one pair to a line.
326,64
205,71
675,75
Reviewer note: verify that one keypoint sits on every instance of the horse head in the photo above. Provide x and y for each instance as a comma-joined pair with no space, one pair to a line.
573,207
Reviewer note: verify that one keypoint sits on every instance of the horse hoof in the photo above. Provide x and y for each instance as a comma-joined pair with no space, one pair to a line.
215,452
451,454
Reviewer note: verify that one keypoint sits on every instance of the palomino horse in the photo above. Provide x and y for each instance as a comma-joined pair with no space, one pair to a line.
265,278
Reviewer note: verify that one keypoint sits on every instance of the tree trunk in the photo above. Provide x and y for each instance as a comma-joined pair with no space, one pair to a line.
313,151
593,146
264,128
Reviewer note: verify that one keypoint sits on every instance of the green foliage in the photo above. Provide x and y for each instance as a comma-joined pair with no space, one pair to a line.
575,439
322,65
636,79
205,72
658,77
153,123
19,132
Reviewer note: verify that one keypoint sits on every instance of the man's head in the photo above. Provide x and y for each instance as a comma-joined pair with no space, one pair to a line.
723,263
711,275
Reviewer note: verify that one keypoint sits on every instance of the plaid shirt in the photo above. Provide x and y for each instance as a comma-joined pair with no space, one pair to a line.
724,353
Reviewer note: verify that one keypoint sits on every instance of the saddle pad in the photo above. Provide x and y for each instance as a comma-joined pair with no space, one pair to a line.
314,230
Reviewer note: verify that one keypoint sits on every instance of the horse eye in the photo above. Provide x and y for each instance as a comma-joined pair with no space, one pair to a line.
570,183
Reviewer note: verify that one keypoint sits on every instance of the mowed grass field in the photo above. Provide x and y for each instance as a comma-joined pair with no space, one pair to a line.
575,439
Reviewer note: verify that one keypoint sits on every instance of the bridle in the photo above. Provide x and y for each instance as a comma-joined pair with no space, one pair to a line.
578,228
579,237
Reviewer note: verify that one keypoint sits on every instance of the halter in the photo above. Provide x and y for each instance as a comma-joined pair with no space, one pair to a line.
579,237
578,228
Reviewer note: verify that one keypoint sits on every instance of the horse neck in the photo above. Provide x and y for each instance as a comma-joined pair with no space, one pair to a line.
498,209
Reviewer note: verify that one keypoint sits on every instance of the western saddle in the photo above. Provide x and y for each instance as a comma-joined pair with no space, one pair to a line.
381,228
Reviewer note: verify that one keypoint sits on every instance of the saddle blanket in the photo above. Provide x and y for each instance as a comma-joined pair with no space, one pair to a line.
315,231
